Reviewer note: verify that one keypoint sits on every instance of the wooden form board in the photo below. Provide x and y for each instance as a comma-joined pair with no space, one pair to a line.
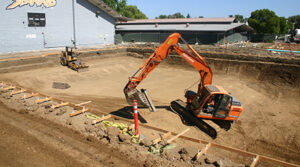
254,162
30,95
84,103
18,92
155,141
8,88
1,84
79,112
59,105
175,137
101,119
203,151
43,100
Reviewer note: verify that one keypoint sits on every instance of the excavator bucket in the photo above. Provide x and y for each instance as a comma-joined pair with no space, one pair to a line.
78,66
82,69
142,97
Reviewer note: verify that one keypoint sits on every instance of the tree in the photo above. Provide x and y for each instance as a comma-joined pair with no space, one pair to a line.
162,16
200,17
240,18
124,9
230,15
175,15
188,16
264,21
121,5
111,3
132,12
284,27
294,20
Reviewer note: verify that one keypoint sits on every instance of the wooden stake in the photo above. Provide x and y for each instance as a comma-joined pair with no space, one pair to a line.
8,88
100,119
160,139
84,103
175,137
2,85
18,92
59,105
199,154
131,127
43,100
79,112
254,162
30,95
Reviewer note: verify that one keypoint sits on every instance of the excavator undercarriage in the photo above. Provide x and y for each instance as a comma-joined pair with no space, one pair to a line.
179,107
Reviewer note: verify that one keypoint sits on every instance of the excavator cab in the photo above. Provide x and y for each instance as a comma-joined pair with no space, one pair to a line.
222,106
212,102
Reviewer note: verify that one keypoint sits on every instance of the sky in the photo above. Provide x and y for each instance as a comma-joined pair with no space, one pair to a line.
215,8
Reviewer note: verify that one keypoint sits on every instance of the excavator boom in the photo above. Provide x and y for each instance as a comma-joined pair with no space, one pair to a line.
170,44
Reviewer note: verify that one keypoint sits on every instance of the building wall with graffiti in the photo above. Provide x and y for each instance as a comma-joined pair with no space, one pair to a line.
40,24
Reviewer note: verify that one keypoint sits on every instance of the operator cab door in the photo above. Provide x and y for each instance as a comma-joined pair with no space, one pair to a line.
222,105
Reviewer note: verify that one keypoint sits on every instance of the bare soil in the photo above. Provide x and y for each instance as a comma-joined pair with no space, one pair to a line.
269,124
31,141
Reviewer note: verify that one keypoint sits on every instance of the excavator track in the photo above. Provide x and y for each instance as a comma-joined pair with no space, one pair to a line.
179,107
226,125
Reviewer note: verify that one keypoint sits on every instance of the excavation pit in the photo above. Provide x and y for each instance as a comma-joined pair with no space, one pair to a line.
268,90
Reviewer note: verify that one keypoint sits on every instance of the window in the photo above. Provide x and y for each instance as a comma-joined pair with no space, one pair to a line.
36,20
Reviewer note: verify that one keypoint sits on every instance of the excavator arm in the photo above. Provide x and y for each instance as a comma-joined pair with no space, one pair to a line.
171,44
198,62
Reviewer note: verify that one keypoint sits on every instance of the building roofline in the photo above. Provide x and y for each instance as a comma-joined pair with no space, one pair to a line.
184,27
181,20
108,10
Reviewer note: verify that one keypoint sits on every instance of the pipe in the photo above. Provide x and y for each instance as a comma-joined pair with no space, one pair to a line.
287,51
74,25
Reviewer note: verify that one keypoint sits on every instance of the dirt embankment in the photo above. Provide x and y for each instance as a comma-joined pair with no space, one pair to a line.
271,71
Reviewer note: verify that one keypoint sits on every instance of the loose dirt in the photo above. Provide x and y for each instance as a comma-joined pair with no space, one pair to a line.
31,141
269,124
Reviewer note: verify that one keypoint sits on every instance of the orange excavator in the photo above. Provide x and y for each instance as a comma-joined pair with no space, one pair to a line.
209,102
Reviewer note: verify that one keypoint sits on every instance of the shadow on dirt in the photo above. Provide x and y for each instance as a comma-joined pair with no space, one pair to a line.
126,112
